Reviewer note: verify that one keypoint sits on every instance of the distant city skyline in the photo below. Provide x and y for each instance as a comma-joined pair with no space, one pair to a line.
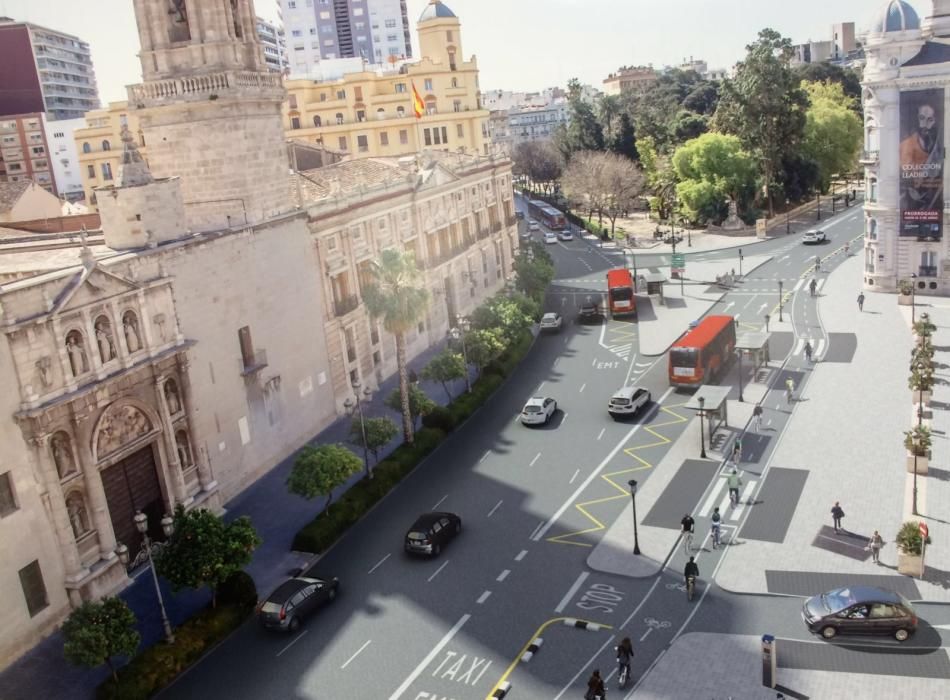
526,45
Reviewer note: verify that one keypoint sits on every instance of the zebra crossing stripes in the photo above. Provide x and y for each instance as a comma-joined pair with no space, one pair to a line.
720,493
622,351
817,348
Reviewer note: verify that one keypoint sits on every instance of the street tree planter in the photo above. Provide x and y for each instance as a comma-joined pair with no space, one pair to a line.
922,462
910,549
906,293
910,564
917,442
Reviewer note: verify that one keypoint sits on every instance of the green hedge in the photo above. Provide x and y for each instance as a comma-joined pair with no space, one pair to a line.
159,665
317,535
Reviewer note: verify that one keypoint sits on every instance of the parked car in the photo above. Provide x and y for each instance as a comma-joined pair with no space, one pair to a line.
538,410
627,401
551,322
550,237
533,225
860,610
525,234
589,311
519,214
814,236
566,235
293,600
431,532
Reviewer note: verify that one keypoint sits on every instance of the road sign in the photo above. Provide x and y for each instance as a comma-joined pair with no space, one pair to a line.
678,263
924,530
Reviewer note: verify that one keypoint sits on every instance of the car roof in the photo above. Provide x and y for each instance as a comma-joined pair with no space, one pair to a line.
426,519
550,314
813,230
627,391
869,594
288,588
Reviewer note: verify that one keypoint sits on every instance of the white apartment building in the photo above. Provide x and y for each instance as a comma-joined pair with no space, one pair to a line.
275,44
64,157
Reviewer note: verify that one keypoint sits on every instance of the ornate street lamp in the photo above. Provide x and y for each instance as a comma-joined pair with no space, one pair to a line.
633,495
702,437
780,301
349,405
141,524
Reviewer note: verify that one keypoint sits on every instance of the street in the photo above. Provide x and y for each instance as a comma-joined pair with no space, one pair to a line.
534,504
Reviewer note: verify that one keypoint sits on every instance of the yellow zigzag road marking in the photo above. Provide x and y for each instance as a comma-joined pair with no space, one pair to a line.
622,491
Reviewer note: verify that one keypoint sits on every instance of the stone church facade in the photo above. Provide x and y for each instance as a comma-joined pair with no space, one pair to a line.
223,324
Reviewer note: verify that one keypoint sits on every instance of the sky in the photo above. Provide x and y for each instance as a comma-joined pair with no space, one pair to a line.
520,44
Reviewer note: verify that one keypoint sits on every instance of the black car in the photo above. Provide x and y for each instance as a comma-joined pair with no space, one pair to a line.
589,312
295,599
431,532
860,610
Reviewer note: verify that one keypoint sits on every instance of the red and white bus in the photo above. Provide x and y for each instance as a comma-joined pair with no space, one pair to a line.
704,352
620,296
546,214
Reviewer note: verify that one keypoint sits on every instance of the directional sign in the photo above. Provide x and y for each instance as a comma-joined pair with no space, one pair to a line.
677,265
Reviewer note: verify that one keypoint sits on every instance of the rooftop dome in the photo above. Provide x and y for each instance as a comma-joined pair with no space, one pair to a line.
436,10
897,16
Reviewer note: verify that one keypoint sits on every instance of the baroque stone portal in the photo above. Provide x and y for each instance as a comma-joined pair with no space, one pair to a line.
119,427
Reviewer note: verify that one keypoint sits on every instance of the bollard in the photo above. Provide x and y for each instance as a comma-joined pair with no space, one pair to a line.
768,661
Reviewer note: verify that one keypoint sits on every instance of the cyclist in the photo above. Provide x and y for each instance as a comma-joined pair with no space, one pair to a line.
688,525
624,656
808,350
716,524
595,687
789,389
734,481
691,573
813,286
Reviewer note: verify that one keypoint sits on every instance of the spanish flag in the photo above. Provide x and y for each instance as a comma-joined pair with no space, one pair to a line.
418,106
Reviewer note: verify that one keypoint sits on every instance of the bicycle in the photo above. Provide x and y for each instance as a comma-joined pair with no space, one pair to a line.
734,497
623,674
688,541
715,535
690,587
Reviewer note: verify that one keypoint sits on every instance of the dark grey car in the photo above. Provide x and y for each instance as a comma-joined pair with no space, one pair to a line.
431,532
295,599
860,610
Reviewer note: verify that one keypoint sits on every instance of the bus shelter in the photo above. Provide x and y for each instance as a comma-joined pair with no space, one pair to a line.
754,345
651,283
710,403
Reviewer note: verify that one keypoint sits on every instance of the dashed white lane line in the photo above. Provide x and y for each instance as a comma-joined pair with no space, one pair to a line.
356,654
711,498
521,555
601,433
574,477
497,506
531,463
503,575
437,571
483,597
582,387
440,501
571,591
379,563
564,418
819,347
799,285
435,651
487,452
294,641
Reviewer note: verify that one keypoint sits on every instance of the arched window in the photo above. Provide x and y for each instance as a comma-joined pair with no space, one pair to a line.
400,111
105,145
105,340
339,117
76,350
317,121
78,516
381,113
455,82
872,228
86,148
130,329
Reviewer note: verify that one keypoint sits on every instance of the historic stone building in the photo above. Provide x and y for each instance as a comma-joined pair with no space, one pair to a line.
906,96
220,325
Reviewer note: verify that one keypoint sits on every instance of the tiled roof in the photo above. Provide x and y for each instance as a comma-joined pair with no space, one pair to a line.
349,176
10,192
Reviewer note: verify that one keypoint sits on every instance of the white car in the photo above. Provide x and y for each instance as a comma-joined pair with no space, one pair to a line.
538,410
814,236
551,322
533,225
566,235
627,401
550,237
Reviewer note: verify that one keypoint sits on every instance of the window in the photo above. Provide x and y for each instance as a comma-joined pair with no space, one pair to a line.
106,146
392,37
455,82
7,497
292,101
390,24
427,134
403,136
445,135
292,4
400,87
86,148
381,113
341,94
342,142
872,229
317,121
247,346
106,171
362,143
457,105
383,139
295,122
339,117
34,590
428,84
296,32
400,111
360,115
358,93
460,131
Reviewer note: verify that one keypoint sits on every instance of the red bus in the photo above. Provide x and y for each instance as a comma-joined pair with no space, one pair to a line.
702,353
620,297
546,214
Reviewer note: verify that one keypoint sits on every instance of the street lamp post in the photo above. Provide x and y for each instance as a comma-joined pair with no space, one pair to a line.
740,262
702,437
739,352
633,495
141,524
913,298
780,301
818,198
788,226
920,421
349,404
458,333
832,196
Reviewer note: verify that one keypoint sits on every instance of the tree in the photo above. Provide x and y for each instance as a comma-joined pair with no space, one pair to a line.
204,550
510,316
608,183
534,271
483,346
445,367
583,131
396,295
848,78
710,169
539,161
419,403
319,470
833,130
659,175
624,142
609,110
379,432
98,630
688,125
764,105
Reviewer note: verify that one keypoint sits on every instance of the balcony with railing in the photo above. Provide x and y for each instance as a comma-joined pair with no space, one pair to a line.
483,232
869,157
341,307
254,363
203,86
927,271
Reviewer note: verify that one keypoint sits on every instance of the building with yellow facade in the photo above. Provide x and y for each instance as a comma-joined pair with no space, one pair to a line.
368,113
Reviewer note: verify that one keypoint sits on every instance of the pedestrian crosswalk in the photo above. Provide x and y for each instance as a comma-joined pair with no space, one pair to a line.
817,346
622,351
719,496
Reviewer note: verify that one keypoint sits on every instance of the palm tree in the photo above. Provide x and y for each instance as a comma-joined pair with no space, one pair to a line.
395,296
608,110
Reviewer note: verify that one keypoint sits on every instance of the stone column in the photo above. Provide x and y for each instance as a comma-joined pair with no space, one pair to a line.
92,345
168,433
64,530
205,475
95,492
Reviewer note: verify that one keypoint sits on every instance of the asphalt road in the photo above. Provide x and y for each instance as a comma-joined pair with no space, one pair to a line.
455,627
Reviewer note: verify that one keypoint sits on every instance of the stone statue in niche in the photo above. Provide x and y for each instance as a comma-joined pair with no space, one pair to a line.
180,28
120,427
78,517
62,455
179,11
184,452
159,320
43,367
171,397
106,344
131,327
236,17
77,354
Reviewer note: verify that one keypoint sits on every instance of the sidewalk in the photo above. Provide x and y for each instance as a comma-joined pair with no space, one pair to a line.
720,666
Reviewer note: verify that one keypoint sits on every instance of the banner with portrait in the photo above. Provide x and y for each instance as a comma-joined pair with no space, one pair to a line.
921,163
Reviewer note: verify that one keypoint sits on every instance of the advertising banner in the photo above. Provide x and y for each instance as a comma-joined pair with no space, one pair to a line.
921,163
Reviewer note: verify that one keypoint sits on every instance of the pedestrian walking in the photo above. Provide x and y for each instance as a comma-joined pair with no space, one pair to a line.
808,350
737,450
789,389
836,515
817,264
861,301
813,286
757,418
846,248
874,544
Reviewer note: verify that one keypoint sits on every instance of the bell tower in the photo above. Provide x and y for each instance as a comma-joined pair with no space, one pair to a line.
210,110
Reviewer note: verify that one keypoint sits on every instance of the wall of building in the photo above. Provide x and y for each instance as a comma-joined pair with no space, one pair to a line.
99,144
20,90
24,152
64,157
34,203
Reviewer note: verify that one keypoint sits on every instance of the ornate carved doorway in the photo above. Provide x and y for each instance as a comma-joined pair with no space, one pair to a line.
131,485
